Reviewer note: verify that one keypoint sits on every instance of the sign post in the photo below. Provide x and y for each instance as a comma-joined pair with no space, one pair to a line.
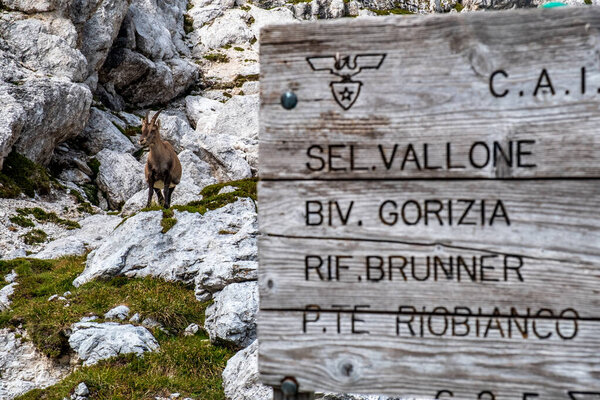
428,205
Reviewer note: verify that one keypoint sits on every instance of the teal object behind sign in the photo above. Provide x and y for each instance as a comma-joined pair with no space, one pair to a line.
553,4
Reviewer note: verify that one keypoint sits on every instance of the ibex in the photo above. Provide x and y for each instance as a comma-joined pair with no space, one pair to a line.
163,169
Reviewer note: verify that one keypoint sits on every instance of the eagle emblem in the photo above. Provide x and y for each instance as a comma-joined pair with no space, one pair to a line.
346,91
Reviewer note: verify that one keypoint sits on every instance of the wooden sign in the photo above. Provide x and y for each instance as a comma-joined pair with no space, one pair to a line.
429,205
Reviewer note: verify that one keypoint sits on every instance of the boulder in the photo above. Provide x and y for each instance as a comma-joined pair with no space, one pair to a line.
230,135
201,108
12,120
231,28
94,341
100,30
23,367
232,317
100,133
119,312
120,176
5,294
54,110
196,242
41,51
240,376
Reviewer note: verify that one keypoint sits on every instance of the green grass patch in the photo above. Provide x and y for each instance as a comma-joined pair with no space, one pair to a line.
44,216
239,49
459,7
588,2
22,221
217,57
21,175
245,8
35,236
211,199
188,23
94,165
393,11
188,365
168,220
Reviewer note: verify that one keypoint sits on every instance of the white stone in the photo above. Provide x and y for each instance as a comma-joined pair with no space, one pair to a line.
120,312
227,189
191,330
93,341
135,319
81,390
100,133
192,246
231,136
23,367
232,316
5,294
120,176
94,229
197,107
240,376
11,277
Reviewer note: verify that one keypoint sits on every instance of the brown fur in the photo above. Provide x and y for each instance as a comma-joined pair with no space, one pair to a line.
163,169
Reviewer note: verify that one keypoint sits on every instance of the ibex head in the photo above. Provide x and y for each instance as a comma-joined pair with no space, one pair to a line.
150,129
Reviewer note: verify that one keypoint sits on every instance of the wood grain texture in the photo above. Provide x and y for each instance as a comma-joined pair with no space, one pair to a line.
548,219
546,283
382,362
433,87
426,134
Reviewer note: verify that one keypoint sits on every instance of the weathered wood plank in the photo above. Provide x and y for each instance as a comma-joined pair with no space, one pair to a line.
384,362
548,219
433,88
387,275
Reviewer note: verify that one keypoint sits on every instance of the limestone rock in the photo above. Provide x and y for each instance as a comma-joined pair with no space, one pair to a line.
120,176
23,367
138,248
93,341
5,294
100,133
100,30
198,107
230,135
94,229
232,316
12,120
55,110
191,330
240,376
120,312
41,51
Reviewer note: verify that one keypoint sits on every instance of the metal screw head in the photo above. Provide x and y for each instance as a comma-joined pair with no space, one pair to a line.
289,100
289,387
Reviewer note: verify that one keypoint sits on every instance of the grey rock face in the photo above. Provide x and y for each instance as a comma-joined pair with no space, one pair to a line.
93,341
5,294
100,133
23,367
100,30
55,110
12,120
232,316
119,312
120,176
230,135
94,229
240,376
41,51
138,248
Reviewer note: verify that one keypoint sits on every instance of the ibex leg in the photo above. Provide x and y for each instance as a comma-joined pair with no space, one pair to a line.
161,199
150,191
167,191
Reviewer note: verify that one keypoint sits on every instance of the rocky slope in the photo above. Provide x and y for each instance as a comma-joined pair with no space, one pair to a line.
76,77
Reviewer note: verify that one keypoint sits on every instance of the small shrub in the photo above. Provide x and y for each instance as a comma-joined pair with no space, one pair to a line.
19,174
21,221
35,236
188,24
44,216
217,57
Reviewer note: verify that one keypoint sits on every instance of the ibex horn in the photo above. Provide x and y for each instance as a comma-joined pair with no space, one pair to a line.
147,116
155,117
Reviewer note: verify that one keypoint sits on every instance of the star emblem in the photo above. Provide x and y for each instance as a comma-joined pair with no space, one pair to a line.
346,94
